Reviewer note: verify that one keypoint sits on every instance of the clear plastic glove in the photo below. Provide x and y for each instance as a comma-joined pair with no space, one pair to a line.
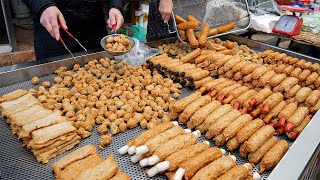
165,8
115,18
50,19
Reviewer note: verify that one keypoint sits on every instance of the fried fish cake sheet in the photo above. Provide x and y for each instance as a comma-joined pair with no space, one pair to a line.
11,107
13,95
29,115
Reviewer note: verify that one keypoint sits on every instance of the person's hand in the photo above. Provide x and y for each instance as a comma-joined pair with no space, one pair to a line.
115,18
50,19
165,8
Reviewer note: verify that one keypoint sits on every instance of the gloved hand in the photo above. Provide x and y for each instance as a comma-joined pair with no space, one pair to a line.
165,8
50,19
115,18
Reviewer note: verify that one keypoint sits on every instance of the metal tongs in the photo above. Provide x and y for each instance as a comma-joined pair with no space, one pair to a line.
64,44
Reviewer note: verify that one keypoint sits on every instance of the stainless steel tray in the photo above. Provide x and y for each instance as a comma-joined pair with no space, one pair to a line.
19,163
216,13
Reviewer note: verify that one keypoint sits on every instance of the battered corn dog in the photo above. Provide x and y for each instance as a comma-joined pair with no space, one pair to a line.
211,84
198,75
277,79
313,98
218,87
265,53
152,144
280,57
293,60
193,107
229,64
288,70
302,94
296,72
198,84
315,108
226,27
243,151
292,92
228,89
245,96
191,56
296,118
249,68
259,137
303,124
216,168
240,172
179,19
191,37
265,79
220,111
247,78
189,25
314,67
221,123
237,67
213,32
232,144
204,34
192,18
280,69
271,102
231,130
179,106
260,71
200,115
190,167
186,154
273,156
237,76
235,93
256,156
245,132
311,78
274,112
303,76
288,83
173,162
262,95
300,63
170,147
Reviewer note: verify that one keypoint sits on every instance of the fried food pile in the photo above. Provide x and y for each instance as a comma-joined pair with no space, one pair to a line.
226,125
118,43
115,96
186,30
175,151
84,163
45,132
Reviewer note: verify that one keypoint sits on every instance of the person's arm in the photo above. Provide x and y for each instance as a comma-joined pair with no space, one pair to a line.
38,6
115,14
50,15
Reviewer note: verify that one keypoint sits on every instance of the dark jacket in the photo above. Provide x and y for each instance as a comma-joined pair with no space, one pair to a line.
83,14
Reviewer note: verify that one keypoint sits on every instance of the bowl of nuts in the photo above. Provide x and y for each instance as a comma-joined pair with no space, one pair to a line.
117,44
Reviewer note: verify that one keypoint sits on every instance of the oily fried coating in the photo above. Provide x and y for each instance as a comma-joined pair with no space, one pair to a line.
259,137
256,156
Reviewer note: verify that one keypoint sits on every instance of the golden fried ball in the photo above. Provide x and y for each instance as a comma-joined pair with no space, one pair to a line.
46,84
35,80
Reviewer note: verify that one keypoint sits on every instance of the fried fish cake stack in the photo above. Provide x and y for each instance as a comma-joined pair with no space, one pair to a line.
85,163
45,132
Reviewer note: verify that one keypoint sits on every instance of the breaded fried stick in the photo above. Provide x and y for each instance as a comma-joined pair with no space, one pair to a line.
259,138
151,145
273,156
190,167
240,172
179,106
145,136
216,168
170,147
256,156
173,162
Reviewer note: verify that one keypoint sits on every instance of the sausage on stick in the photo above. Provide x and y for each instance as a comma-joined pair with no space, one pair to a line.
256,156
258,138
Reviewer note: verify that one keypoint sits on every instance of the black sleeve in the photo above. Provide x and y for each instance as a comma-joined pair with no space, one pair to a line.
118,4
38,6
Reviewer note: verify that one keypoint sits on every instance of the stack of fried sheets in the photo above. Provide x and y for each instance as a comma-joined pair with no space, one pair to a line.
45,132
84,163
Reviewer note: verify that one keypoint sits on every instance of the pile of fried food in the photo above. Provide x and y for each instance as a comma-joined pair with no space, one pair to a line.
186,30
84,163
169,148
45,132
228,126
116,96
118,43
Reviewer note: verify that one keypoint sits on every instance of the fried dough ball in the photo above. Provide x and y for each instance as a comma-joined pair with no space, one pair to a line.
35,80
105,139
46,84
123,127
102,129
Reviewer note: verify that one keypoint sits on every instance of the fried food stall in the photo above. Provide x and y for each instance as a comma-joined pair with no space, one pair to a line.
176,116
